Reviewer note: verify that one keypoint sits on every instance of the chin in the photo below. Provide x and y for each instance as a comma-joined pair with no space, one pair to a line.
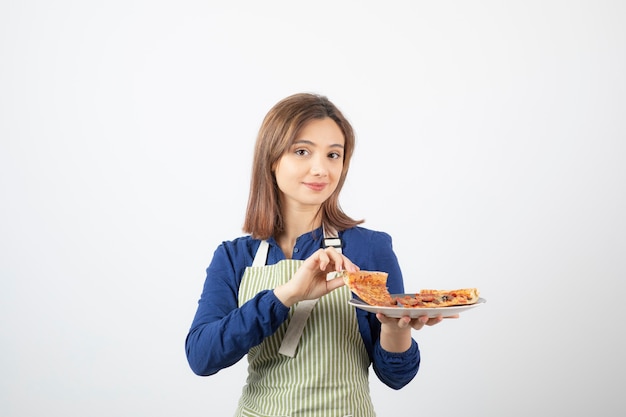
317,201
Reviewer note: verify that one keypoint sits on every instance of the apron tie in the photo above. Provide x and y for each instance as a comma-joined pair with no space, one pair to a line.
296,326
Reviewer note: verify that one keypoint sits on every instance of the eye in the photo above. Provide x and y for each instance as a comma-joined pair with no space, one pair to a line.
334,155
301,152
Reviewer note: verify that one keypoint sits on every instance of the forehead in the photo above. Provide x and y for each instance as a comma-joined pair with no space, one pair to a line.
321,132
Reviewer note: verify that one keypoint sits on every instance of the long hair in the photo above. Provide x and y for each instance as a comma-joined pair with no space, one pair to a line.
277,133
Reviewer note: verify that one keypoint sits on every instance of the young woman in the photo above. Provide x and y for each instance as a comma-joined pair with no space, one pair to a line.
270,295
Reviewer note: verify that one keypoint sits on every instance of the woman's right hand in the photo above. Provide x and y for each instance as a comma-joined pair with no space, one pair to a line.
310,280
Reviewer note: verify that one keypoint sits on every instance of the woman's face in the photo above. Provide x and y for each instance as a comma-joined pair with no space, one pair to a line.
309,171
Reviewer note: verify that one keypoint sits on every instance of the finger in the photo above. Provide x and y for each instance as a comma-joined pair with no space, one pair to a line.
340,261
323,259
335,282
404,321
349,266
400,322
434,320
336,258
419,322
416,324
381,317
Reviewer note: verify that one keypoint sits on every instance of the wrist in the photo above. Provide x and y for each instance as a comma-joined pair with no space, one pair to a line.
285,296
395,339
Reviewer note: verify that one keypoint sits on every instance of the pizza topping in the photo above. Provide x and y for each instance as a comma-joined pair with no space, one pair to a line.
439,298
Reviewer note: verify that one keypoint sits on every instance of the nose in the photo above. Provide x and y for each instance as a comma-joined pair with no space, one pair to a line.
319,166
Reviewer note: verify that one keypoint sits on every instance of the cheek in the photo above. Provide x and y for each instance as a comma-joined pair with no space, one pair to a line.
335,177
283,173
336,172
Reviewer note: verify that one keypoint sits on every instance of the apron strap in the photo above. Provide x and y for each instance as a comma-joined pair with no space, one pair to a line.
296,326
331,238
260,258
303,310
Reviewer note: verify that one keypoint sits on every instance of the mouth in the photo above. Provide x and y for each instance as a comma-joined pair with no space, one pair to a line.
315,186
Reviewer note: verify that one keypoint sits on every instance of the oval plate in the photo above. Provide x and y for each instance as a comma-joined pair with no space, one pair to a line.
414,312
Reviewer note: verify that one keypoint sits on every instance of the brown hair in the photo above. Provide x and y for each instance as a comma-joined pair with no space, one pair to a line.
278,131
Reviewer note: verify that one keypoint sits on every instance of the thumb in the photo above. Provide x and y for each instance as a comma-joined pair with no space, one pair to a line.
335,283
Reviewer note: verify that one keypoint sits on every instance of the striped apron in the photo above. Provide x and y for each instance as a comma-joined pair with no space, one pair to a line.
326,375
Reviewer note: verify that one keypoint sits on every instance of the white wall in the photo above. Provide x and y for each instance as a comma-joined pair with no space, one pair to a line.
491,145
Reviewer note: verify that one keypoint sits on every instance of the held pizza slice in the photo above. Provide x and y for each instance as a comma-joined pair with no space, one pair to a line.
369,286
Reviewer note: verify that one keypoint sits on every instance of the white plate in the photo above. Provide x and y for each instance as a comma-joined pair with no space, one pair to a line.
414,312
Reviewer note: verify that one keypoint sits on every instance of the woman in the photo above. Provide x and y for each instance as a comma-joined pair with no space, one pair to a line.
271,295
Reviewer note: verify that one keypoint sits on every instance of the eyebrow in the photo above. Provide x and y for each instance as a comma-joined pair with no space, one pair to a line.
308,142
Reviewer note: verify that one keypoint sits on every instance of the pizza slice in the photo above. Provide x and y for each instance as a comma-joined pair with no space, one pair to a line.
369,286
439,298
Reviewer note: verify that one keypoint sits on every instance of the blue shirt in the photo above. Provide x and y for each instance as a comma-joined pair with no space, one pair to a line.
222,332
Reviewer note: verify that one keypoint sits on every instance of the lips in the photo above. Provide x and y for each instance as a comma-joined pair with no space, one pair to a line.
315,186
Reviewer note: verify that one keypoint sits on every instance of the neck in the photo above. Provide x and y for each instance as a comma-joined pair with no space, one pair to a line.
297,223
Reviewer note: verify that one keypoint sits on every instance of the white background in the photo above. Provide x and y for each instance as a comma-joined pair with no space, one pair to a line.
491,146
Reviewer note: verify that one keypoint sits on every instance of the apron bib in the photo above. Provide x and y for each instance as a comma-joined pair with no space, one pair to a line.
327,376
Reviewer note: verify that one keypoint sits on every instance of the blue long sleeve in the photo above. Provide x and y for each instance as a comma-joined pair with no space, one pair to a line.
216,344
